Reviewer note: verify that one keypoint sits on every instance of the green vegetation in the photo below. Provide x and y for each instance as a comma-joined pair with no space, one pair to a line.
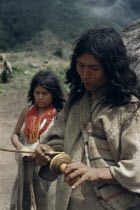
22,75
22,21
61,75
20,79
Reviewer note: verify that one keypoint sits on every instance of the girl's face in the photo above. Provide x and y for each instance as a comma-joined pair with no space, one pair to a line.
43,97
92,74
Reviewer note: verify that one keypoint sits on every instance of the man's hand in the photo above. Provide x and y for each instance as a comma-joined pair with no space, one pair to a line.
40,154
84,173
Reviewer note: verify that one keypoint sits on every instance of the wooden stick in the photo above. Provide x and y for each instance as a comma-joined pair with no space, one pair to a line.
14,150
32,152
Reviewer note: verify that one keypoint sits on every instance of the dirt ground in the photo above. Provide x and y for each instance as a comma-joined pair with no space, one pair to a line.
10,108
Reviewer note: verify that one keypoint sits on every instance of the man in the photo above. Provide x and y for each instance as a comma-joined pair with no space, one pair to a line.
99,128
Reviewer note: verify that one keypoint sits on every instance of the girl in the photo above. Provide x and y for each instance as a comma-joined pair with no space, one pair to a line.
46,97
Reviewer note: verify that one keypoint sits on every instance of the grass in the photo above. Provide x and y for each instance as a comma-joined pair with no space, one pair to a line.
22,75
21,78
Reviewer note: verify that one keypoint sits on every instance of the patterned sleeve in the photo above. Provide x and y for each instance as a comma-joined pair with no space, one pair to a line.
127,173
54,138
56,133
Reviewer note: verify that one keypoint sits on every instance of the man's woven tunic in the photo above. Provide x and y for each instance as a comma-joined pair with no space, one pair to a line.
113,141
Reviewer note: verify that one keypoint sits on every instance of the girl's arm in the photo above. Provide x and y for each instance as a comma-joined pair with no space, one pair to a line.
15,138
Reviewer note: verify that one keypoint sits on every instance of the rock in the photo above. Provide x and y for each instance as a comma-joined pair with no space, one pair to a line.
131,38
35,65
46,61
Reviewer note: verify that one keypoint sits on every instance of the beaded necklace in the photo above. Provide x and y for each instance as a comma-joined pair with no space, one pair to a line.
35,125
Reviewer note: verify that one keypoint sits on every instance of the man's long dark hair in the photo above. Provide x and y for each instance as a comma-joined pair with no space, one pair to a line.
108,48
49,81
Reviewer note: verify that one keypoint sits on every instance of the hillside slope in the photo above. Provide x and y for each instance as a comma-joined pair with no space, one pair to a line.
25,21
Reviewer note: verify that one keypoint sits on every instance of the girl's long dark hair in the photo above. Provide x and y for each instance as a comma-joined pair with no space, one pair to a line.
48,80
107,46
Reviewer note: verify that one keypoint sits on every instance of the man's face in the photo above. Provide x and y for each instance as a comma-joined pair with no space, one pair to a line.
92,74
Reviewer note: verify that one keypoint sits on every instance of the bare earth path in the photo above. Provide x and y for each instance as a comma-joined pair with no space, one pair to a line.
10,107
